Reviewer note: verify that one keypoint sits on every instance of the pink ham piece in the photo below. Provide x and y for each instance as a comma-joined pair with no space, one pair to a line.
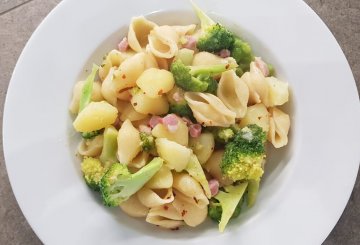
262,66
195,130
191,43
171,121
224,53
123,45
145,129
214,186
155,120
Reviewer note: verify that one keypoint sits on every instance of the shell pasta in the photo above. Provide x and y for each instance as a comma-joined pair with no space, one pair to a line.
174,123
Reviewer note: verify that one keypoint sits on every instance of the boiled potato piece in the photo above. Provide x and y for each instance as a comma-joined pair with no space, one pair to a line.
130,113
155,82
203,146
129,142
146,105
181,135
95,116
256,114
176,156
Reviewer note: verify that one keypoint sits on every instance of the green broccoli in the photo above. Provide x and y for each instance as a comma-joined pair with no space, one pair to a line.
197,78
242,53
147,141
214,37
222,135
90,135
252,191
118,184
93,171
243,157
271,70
109,150
227,204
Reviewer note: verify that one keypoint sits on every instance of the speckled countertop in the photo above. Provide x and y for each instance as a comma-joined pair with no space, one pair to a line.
18,20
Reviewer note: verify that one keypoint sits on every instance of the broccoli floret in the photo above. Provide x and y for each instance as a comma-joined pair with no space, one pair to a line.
182,110
226,204
93,171
197,78
222,135
147,141
178,104
243,157
214,37
118,184
271,70
109,150
90,135
242,53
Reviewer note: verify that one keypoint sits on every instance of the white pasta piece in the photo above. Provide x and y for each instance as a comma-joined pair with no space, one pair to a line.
279,127
163,41
150,61
278,91
155,82
129,143
146,105
133,207
233,92
184,30
258,87
203,146
165,216
95,116
212,166
139,30
155,197
124,95
113,59
91,147
130,113
139,161
176,156
256,114
108,88
209,110
161,180
77,90
188,186
180,135
206,58
192,214
129,71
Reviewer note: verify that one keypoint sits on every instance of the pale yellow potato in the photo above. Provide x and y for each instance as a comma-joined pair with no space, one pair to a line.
203,146
180,136
256,114
176,156
146,105
129,143
155,82
95,116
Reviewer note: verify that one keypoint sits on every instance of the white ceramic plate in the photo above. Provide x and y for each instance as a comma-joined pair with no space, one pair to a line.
307,184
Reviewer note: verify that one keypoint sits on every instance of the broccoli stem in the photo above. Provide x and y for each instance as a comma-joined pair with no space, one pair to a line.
108,153
87,88
205,21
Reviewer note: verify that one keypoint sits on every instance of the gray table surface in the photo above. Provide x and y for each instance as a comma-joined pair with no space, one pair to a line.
18,20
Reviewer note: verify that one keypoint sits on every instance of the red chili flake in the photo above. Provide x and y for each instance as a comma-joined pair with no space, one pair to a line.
175,229
123,76
166,207
227,66
183,213
160,92
196,200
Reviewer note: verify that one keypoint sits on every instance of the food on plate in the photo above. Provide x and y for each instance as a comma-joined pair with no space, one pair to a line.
175,123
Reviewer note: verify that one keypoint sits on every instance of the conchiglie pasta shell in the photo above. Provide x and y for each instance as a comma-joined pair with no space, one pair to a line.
180,135
184,30
113,59
188,186
139,161
91,147
108,88
192,214
163,41
139,30
161,180
209,110
203,146
256,114
279,127
278,91
133,207
155,82
129,143
206,58
233,92
155,197
165,216
130,113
